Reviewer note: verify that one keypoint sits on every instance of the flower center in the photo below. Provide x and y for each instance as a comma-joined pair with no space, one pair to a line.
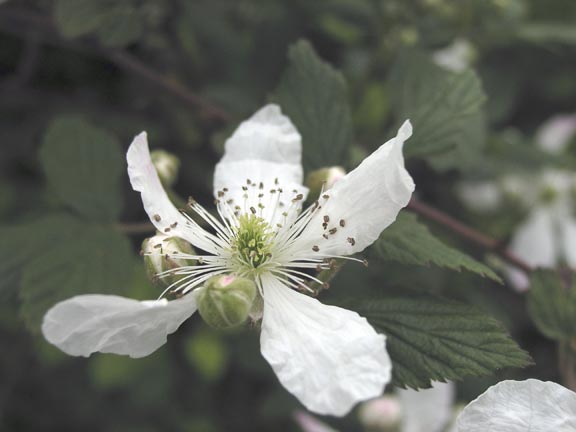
252,241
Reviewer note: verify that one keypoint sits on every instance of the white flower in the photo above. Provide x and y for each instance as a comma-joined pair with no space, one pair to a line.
521,406
328,357
456,57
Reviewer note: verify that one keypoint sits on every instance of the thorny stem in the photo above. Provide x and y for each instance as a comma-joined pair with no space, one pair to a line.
468,233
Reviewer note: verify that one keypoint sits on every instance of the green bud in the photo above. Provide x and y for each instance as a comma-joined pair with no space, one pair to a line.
226,301
167,166
324,177
158,252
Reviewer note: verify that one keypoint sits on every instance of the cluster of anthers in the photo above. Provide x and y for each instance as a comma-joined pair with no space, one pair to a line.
258,235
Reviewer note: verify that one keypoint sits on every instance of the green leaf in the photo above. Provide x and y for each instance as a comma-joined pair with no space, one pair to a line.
445,109
83,165
115,23
88,259
22,243
552,305
410,242
313,95
433,339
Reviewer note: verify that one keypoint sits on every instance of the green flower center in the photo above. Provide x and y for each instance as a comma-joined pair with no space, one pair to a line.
252,241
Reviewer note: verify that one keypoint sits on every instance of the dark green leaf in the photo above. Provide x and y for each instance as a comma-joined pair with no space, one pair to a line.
410,242
313,95
83,165
90,259
445,109
115,23
22,243
432,339
552,305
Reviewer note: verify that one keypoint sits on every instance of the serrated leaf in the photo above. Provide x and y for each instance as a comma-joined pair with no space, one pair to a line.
432,339
552,305
83,165
313,94
444,107
410,242
90,259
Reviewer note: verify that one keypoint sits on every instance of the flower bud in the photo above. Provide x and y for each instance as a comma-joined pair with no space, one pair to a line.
167,166
226,301
159,257
381,414
323,178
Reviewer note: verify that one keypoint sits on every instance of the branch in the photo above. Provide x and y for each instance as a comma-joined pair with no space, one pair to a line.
15,18
468,233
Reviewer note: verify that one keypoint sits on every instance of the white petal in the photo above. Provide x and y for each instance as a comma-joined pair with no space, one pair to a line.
268,135
480,196
273,145
427,410
265,149
555,134
521,406
86,324
328,357
568,226
534,241
162,213
367,200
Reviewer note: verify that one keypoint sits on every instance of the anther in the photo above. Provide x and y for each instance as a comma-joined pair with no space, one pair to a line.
333,231
167,230
174,225
248,181
244,188
351,241
315,248
325,236
326,218
261,185
342,223
225,189
220,194
325,196
253,210
157,217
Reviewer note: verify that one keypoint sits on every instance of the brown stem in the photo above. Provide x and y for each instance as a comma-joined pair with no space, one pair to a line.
15,18
135,228
468,233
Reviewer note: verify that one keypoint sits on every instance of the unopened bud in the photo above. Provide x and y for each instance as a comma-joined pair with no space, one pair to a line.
162,253
167,166
226,301
381,414
323,179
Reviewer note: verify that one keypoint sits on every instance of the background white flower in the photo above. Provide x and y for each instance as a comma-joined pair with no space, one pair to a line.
328,357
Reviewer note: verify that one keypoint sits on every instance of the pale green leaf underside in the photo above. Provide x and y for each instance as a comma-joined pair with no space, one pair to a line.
313,95
431,339
410,242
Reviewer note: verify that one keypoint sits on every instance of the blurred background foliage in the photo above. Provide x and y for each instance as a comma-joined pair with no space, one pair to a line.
82,74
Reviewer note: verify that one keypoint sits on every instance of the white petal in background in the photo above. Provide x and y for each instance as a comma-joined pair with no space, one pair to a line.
521,406
328,357
568,239
427,410
367,199
309,423
535,240
86,324
555,134
481,196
